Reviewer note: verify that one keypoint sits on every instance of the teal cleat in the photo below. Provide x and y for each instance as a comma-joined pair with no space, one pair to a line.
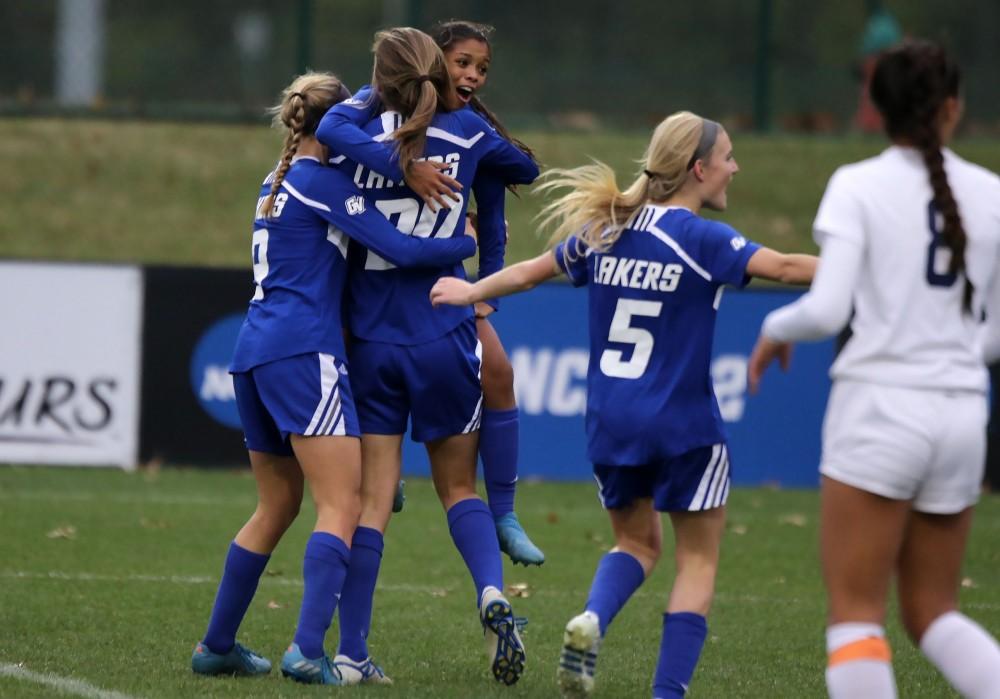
515,542
503,642
238,661
308,670
399,498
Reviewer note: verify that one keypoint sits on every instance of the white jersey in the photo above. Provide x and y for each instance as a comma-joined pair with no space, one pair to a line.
909,328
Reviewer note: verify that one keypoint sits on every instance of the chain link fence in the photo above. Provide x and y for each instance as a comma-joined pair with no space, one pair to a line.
786,64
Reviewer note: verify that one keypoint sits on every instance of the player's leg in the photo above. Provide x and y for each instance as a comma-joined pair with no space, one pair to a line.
498,447
279,495
929,573
694,488
383,409
626,493
931,560
860,539
381,460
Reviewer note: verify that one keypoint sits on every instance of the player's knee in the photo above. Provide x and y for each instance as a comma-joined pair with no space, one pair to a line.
498,381
918,614
277,515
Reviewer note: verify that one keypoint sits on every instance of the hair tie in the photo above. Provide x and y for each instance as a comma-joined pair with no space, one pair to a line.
299,95
649,174
423,78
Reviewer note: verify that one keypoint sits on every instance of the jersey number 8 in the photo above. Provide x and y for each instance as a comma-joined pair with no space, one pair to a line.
938,253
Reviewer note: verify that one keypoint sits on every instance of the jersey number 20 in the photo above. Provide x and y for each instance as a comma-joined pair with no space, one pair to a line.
622,331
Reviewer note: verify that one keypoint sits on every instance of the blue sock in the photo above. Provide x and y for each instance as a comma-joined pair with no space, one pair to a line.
359,592
323,570
498,447
475,536
683,636
240,576
618,575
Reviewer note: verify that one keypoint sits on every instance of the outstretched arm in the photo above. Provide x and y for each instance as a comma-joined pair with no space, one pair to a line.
780,267
510,280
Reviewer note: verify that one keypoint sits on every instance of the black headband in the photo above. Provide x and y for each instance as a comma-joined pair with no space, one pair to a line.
649,174
299,95
709,133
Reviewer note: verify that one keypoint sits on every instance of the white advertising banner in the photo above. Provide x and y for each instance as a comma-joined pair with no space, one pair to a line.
70,339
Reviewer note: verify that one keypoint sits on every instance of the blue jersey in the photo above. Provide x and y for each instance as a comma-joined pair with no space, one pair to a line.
388,304
652,301
299,262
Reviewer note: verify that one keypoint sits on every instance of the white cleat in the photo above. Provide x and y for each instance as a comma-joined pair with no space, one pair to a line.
503,642
581,641
365,672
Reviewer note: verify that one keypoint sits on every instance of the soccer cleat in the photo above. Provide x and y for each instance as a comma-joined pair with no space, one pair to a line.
298,667
238,661
503,642
581,641
515,542
364,672
399,498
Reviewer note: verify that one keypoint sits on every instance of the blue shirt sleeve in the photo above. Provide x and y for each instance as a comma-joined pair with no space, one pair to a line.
341,131
333,196
724,252
504,160
490,194
571,256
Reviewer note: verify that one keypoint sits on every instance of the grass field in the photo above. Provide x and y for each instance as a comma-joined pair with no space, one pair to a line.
108,579
184,193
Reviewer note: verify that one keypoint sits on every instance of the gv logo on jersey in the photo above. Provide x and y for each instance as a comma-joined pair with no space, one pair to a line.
738,243
210,379
355,205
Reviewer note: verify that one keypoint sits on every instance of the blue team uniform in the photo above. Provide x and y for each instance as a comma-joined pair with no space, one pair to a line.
653,424
408,357
288,365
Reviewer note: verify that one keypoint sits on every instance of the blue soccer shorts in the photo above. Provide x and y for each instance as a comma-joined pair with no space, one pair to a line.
436,384
695,480
308,394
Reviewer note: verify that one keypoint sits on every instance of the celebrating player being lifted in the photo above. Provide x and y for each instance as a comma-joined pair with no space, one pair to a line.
656,271
911,241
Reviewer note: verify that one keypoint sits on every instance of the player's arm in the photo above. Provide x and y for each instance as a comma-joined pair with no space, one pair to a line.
335,198
821,312
991,329
341,131
505,160
492,227
510,280
781,267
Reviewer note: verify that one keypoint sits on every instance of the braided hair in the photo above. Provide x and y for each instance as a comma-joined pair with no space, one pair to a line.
909,86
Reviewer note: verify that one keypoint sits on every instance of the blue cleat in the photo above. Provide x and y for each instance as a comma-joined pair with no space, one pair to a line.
515,542
238,661
503,642
399,498
365,672
298,667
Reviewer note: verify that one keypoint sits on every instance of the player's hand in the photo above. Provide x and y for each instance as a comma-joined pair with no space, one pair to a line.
764,352
428,181
472,226
452,291
483,309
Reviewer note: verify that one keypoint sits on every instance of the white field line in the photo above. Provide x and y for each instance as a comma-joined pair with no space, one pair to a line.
65,685
406,588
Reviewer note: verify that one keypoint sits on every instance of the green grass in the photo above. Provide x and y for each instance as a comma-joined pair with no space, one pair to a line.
183,193
121,604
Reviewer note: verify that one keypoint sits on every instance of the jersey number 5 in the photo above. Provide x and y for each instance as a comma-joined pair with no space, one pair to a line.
623,332
938,253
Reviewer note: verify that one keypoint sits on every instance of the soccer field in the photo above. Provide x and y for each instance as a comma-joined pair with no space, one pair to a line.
108,579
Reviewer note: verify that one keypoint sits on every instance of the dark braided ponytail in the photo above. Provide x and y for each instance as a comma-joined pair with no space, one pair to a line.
909,86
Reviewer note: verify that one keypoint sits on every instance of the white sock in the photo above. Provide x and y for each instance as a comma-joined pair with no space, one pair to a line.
859,663
965,653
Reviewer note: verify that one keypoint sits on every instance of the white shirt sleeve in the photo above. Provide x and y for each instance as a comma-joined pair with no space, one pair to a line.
825,309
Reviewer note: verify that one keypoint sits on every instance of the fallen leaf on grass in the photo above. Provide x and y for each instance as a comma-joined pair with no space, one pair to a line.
67,532
275,605
738,529
273,573
153,523
969,583
796,520
552,518
439,592
519,590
